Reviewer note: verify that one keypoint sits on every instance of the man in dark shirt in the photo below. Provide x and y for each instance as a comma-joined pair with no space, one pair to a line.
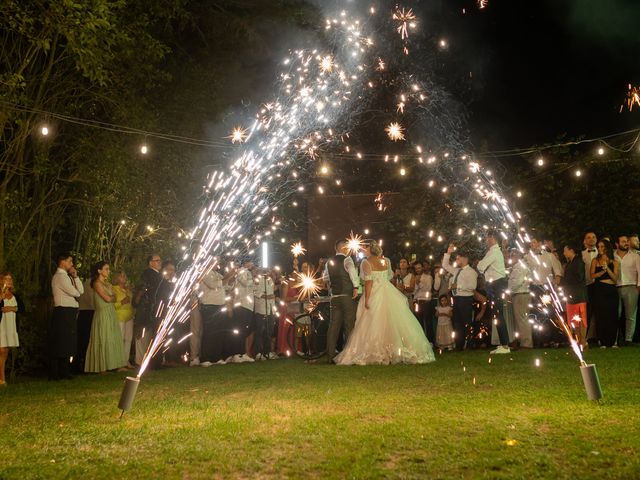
146,301
575,290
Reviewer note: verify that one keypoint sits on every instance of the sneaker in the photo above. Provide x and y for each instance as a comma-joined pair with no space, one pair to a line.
273,356
195,362
260,357
206,364
500,350
615,346
603,347
245,358
221,362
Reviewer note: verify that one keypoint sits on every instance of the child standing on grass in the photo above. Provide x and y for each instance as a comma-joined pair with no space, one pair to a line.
444,331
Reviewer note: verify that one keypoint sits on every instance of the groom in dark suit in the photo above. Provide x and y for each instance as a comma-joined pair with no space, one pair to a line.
146,301
342,279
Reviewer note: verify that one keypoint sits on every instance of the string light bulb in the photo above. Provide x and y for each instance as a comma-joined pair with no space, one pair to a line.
578,173
144,149
600,151
44,130
540,162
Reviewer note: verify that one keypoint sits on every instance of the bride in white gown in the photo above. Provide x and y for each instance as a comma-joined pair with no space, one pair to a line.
386,331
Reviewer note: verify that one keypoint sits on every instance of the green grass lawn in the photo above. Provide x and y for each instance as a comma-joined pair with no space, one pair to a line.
288,419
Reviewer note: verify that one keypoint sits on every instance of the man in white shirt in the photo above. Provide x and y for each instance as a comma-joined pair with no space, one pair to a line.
343,281
518,283
66,288
243,307
464,283
628,285
588,254
543,264
495,275
423,306
206,339
264,321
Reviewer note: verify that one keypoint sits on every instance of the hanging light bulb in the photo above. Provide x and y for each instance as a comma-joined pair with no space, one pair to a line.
540,162
44,130
144,149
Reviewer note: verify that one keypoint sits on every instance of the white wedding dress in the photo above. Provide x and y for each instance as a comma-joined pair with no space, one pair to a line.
387,332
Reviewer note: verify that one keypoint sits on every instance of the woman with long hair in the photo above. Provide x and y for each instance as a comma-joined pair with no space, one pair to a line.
604,271
124,311
105,351
8,331
386,331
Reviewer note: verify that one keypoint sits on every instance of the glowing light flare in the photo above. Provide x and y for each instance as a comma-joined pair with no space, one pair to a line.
297,249
407,20
238,135
354,243
395,131
632,99
308,285
326,64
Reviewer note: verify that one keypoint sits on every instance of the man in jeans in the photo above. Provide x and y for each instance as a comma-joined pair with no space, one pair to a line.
628,285
341,277
464,283
495,275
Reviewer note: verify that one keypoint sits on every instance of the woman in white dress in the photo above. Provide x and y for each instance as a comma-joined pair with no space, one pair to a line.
386,331
8,332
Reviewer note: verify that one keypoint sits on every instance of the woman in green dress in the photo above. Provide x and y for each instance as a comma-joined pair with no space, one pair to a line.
105,343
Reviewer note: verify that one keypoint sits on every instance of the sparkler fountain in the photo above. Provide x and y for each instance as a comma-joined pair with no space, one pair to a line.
321,97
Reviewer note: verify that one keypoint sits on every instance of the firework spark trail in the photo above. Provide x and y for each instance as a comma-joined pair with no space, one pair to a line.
319,95
313,93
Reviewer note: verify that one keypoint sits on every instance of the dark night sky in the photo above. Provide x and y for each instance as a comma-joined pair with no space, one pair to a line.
547,67
541,68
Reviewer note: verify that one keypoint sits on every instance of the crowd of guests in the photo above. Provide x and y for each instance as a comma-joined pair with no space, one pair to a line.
505,297
104,323
242,314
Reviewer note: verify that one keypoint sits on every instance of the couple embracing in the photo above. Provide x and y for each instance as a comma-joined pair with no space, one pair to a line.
385,331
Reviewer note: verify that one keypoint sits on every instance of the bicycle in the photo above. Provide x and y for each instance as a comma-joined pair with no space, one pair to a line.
308,336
